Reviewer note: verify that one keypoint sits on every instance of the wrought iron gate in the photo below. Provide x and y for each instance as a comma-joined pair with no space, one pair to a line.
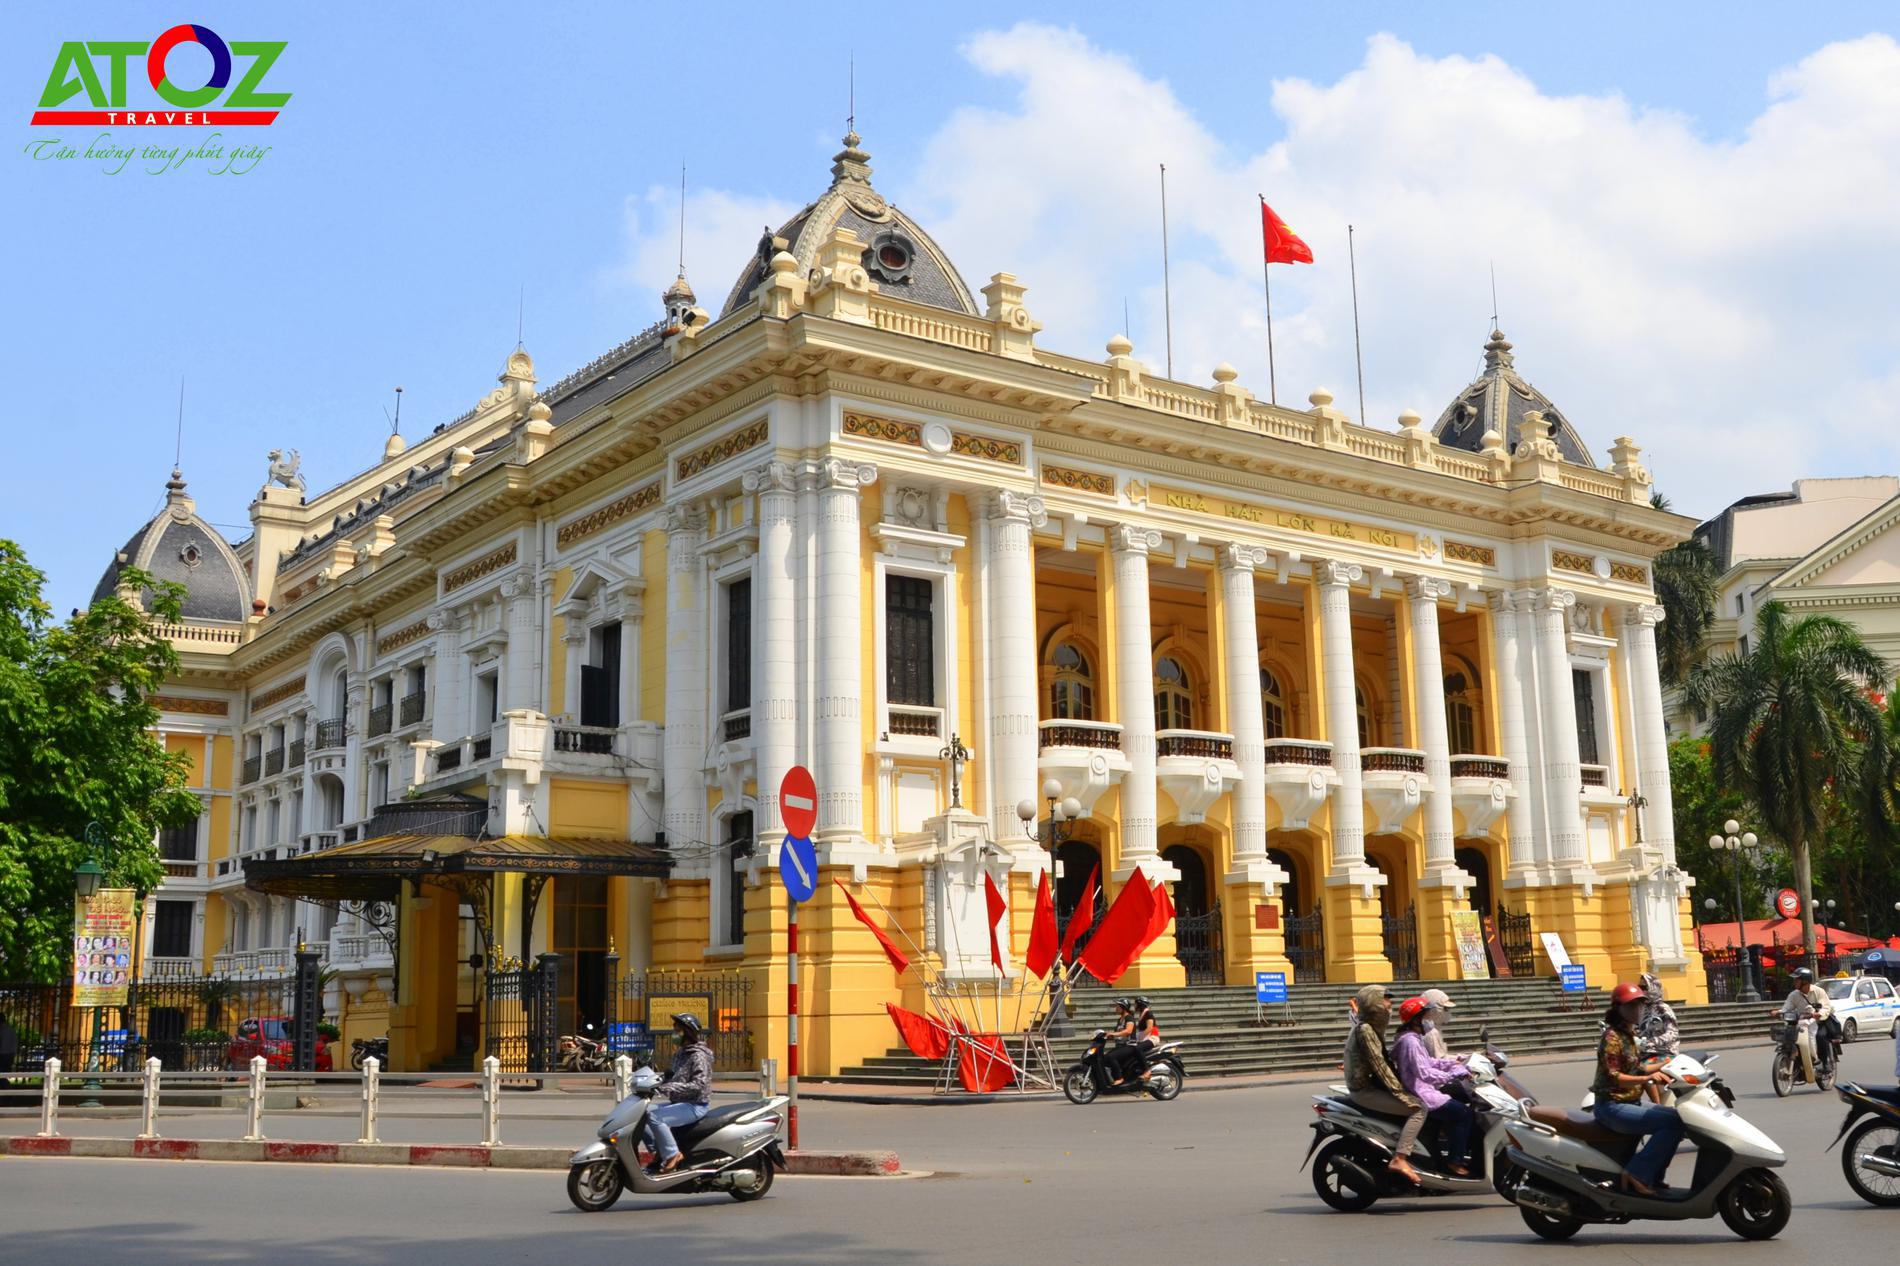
1401,943
519,1014
1514,934
1197,943
1306,946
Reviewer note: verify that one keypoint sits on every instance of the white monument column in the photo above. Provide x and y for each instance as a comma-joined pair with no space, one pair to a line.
1563,772
1428,683
1134,689
1342,714
774,644
1011,768
1652,738
1512,665
841,655
1241,638
684,803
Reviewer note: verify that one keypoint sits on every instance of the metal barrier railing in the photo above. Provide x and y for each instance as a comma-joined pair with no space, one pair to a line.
147,1085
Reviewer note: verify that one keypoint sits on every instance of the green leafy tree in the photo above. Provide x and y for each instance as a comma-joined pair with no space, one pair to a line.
1794,723
1685,577
76,747
1702,805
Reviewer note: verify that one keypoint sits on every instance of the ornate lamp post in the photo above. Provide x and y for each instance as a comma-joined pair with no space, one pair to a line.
956,753
1063,812
1738,844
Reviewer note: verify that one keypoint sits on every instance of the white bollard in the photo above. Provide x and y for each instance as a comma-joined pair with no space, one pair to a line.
491,1102
151,1099
768,1078
258,1067
623,1077
49,1099
372,1079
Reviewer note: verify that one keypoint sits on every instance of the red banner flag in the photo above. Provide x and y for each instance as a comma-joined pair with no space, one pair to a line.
1163,915
1084,915
983,1063
1283,244
993,898
1042,935
1124,931
926,1036
890,947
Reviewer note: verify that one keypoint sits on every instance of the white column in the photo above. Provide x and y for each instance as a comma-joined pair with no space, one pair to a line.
1134,689
1428,677
774,646
1342,716
684,805
449,713
1010,768
521,684
1241,643
1652,738
1563,774
1512,666
840,740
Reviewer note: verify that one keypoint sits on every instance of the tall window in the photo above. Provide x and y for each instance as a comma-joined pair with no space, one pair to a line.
1272,704
739,844
738,645
1461,719
179,843
910,641
1363,710
487,700
1174,697
600,677
1584,687
1072,694
171,929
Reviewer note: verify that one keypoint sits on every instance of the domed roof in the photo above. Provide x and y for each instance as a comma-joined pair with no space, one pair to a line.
179,546
902,259
1497,400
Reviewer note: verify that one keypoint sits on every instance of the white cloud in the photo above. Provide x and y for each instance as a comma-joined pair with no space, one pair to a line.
721,231
1727,302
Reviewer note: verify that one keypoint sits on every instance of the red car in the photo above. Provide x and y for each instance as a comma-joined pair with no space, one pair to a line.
271,1037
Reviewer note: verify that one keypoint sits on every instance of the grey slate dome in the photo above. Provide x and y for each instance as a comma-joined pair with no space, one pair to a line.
901,258
179,546
1497,400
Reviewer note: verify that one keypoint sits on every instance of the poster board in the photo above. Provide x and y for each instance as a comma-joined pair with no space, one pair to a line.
1555,951
102,948
1494,945
1467,932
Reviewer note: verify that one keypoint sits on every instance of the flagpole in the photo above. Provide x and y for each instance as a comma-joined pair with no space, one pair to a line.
1358,359
1167,289
1266,280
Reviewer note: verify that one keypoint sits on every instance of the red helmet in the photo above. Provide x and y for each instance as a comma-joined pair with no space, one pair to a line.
1411,1008
1626,992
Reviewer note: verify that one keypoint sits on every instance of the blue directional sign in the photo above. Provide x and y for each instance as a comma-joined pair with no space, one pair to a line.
798,866
1573,978
1269,986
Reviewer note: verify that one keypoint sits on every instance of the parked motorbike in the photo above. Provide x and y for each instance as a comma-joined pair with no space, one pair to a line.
733,1149
1564,1167
1871,1159
1355,1144
582,1053
1802,1047
1162,1073
364,1047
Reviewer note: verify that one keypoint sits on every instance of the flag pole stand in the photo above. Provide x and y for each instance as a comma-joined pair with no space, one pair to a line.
1266,282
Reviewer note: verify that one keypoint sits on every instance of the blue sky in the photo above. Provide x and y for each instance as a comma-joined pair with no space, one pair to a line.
429,167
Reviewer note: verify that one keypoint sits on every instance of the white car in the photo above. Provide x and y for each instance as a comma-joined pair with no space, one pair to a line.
1866,1004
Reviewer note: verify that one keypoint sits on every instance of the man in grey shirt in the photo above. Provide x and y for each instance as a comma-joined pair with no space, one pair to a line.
687,1091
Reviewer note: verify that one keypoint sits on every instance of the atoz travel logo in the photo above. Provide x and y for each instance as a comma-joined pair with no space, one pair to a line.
101,70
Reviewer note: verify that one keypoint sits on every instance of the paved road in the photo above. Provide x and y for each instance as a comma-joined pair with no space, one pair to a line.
1212,1177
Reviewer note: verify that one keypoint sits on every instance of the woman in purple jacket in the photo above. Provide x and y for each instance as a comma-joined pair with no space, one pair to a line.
1426,1075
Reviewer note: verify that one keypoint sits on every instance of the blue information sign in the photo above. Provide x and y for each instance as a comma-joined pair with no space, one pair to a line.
798,866
1573,978
626,1037
1269,986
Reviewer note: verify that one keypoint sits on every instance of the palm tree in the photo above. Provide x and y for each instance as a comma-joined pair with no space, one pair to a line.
1792,718
1685,577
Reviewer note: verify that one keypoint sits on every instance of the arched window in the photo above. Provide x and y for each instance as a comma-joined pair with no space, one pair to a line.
1072,693
1174,698
1461,719
1272,704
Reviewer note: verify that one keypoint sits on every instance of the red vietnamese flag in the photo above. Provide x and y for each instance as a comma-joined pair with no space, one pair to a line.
1164,915
926,1036
1084,915
993,899
1123,933
890,947
1283,244
1042,935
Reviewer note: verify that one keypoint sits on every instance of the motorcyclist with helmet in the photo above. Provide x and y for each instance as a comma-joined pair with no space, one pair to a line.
1623,1074
1431,1080
687,1090
1809,1000
1136,1034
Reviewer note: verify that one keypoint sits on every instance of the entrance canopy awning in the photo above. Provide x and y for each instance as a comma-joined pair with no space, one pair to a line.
374,870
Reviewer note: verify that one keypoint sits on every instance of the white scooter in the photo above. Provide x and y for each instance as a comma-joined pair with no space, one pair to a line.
733,1149
1564,1167
1355,1144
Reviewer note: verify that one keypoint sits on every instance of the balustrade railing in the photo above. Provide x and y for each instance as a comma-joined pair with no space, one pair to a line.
1298,752
1480,767
1197,743
737,725
916,722
1391,760
1099,735
1596,775
588,740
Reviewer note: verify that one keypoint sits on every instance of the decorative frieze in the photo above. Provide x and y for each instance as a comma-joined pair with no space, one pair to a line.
1463,552
487,565
1090,481
402,637
1565,560
608,515
277,694
1221,507
866,427
739,441
988,449
202,707
1630,573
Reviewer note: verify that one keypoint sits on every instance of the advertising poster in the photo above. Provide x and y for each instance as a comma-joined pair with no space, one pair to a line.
102,948
1467,931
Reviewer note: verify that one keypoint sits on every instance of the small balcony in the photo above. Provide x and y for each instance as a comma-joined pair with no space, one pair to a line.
1092,734
330,735
1596,776
1480,767
736,726
380,718
177,869
584,740
410,712
1307,752
448,758
1300,775
295,760
1394,783
1391,760
1084,756
273,761
317,841
1194,767
1481,791
253,768
480,749
908,721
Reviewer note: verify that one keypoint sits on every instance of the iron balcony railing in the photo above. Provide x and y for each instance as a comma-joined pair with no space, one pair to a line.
296,754
274,761
330,734
380,717
253,768
412,705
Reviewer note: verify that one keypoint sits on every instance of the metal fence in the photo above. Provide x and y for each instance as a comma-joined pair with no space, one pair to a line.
189,1023
1401,943
518,1019
719,1001
1514,935
1306,946
1197,943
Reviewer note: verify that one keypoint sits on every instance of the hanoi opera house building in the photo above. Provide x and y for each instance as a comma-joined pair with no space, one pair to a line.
529,684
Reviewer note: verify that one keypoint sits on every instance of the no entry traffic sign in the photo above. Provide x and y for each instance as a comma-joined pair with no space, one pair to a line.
798,801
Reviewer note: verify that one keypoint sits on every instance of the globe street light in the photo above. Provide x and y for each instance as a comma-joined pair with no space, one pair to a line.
1736,841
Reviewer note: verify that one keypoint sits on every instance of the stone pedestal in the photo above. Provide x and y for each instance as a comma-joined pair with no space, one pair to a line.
1355,936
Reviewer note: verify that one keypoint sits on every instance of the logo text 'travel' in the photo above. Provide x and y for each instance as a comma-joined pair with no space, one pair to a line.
79,65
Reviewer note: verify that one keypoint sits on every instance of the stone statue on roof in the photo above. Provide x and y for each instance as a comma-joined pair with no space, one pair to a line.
284,471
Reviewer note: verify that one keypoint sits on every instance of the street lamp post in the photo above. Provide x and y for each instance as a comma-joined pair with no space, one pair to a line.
1063,812
87,876
1735,840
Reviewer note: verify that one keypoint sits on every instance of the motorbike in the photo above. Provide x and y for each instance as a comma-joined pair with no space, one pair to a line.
1871,1159
364,1047
1161,1075
582,1053
1354,1144
1564,1167
734,1149
1803,1053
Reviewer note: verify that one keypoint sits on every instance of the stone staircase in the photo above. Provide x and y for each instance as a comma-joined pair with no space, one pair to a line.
1221,1036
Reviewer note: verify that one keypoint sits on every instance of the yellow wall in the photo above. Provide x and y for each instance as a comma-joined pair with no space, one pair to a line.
653,629
587,809
557,646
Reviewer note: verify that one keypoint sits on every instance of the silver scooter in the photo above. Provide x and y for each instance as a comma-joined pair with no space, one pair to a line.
733,1149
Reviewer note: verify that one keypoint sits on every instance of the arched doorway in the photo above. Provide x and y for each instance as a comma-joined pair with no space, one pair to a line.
1197,930
1190,891
1080,861
1296,894
1475,863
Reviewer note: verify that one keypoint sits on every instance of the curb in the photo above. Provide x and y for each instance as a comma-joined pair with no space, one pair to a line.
832,1164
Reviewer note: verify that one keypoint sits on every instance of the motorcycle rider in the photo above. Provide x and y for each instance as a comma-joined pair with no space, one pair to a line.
1437,1004
1622,1075
687,1090
1808,999
1426,1077
1371,1080
1657,1032
1115,1054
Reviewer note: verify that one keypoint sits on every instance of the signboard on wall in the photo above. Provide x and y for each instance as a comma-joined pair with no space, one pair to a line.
1467,932
662,1007
102,948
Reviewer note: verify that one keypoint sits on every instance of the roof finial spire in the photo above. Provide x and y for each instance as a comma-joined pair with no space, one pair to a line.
1494,295
851,162
851,107
178,448
682,219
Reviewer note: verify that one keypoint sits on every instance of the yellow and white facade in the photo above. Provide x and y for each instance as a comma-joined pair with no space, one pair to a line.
1283,659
